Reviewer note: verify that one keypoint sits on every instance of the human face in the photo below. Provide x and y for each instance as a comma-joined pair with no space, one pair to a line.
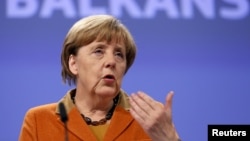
99,68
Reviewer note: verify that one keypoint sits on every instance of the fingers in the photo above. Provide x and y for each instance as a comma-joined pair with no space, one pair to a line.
143,105
139,107
146,100
138,117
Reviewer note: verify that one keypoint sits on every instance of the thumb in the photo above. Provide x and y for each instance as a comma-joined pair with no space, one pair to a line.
168,104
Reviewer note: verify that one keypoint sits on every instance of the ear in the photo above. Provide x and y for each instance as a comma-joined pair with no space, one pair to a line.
73,64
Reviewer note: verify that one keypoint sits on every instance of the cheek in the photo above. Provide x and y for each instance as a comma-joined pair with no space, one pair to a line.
122,70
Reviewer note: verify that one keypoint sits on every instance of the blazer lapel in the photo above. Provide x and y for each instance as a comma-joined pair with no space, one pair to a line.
119,122
78,127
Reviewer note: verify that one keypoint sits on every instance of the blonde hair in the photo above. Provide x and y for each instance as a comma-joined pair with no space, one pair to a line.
95,28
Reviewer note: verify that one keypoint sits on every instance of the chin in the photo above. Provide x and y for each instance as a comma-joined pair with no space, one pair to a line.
106,92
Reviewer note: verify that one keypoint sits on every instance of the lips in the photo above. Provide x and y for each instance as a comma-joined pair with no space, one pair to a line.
109,79
109,76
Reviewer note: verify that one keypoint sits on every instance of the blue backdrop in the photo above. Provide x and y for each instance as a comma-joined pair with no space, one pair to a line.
198,48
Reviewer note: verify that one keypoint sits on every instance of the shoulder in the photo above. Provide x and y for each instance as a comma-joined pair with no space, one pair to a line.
42,109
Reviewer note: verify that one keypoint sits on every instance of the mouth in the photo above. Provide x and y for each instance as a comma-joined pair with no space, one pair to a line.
109,76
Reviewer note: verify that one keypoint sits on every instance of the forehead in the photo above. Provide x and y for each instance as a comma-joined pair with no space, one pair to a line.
114,38
106,44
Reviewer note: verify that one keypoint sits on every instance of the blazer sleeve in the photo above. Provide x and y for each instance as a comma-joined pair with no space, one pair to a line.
28,129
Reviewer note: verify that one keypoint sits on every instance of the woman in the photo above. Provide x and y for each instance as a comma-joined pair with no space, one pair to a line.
97,52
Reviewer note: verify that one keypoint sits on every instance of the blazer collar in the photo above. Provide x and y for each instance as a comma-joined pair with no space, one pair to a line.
77,126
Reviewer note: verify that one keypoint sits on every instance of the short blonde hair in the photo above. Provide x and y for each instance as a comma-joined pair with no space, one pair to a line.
95,28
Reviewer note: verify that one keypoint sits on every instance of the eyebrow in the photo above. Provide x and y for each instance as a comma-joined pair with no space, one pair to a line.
104,45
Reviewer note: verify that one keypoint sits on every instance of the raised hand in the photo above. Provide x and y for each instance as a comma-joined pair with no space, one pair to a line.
154,117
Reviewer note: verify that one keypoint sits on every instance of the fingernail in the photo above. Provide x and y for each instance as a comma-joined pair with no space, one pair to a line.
172,92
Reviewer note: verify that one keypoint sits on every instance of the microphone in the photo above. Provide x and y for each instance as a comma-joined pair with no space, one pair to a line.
64,118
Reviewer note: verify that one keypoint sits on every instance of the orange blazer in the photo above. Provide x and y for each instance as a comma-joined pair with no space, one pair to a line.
43,123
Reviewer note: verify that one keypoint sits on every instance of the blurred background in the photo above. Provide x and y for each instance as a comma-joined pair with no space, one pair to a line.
200,49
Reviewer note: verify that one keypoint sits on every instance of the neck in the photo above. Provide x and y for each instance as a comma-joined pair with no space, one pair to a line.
92,106
94,118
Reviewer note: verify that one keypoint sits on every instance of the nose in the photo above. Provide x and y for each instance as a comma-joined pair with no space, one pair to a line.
110,61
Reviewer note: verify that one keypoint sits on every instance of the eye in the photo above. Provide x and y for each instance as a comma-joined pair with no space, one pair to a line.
98,51
119,54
